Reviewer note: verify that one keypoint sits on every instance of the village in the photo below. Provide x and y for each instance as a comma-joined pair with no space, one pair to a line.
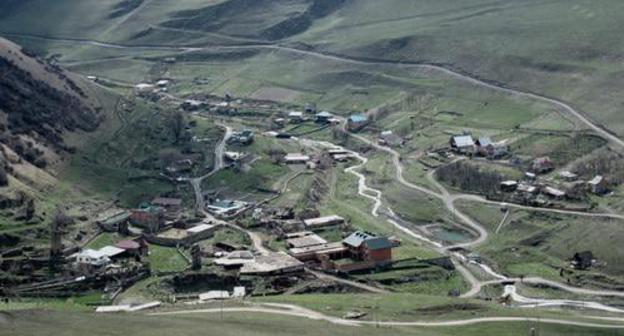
233,244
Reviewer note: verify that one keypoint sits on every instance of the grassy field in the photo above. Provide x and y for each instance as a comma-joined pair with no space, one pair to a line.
166,259
532,243
50,322
562,48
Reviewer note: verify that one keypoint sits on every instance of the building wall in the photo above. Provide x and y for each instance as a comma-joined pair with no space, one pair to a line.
384,255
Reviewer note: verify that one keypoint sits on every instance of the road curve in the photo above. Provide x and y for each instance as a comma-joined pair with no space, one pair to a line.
297,311
341,58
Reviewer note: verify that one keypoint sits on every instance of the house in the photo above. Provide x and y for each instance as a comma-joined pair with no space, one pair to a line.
323,117
143,88
489,149
192,104
388,138
334,121
310,108
235,259
357,122
245,137
296,158
115,222
168,203
583,260
92,258
359,251
233,156
225,207
542,165
295,117
272,264
180,166
133,247
320,222
367,247
598,185
279,122
526,188
340,154
554,192
568,176
463,144
148,217
509,186
304,239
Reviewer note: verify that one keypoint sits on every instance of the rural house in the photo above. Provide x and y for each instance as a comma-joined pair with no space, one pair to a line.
598,185
463,144
359,251
357,122
388,138
542,165
148,217
323,117
295,117
489,149
168,203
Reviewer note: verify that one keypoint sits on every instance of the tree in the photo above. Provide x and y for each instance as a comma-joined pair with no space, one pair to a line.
4,179
59,222
276,155
177,124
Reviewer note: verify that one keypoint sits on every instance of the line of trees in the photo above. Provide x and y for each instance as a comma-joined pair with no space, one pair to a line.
470,177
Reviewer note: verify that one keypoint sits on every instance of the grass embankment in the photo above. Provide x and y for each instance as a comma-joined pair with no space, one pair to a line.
52,322
532,243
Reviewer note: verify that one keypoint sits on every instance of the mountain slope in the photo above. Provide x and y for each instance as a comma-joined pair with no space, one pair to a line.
566,49
39,102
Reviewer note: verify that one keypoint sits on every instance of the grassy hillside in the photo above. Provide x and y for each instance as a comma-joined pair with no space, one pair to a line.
49,322
567,49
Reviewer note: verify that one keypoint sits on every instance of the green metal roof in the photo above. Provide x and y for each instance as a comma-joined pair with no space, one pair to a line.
358,238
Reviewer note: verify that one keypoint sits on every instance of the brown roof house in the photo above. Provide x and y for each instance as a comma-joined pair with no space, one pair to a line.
489,149
359,251
542,165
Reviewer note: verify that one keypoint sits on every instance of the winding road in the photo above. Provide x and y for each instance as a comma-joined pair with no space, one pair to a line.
346,59
376,195
476,285
301,312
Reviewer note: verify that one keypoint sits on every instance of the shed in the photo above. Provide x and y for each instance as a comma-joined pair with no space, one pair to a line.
509,186
598,185
319,222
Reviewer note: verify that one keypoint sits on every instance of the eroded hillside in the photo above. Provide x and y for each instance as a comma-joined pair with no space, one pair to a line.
39,102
